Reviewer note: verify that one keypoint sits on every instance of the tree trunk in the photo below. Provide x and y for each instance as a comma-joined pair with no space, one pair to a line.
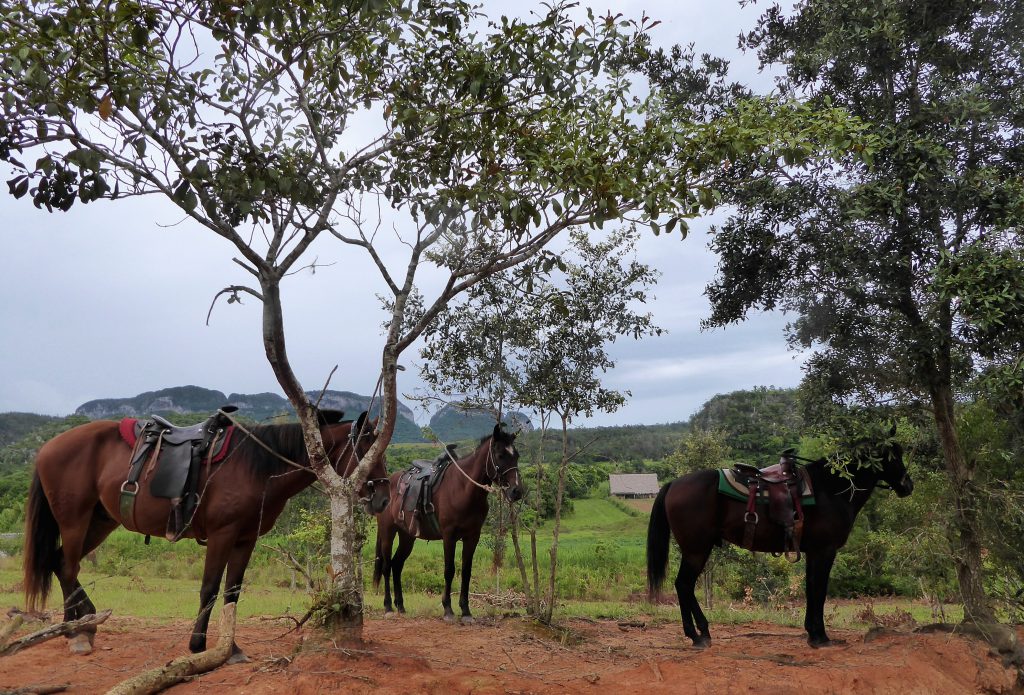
967,541
538,506
563,467
527,589
709,584
345,605
500,531
535,599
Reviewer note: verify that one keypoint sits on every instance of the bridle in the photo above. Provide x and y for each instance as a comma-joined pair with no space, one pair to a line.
499,476
354,435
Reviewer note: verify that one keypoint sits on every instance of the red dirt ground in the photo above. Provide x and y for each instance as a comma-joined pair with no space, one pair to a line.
422,655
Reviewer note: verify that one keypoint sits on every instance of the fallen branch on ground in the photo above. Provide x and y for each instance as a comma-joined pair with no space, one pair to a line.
157,679
54,631
38,689
9,629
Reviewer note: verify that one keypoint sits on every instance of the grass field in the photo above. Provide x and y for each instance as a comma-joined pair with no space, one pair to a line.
601,575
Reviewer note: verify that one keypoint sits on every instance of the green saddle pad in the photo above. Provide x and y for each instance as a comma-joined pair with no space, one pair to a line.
730,486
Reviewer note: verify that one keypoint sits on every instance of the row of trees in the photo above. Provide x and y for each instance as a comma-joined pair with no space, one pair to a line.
879,202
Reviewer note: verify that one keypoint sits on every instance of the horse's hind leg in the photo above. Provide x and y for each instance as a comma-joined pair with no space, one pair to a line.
690,568
76,541
405,543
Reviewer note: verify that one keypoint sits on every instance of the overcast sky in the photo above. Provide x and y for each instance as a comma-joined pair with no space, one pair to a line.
110,299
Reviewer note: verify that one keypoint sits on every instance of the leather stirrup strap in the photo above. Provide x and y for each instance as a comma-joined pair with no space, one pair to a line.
798,522
141,453
750,518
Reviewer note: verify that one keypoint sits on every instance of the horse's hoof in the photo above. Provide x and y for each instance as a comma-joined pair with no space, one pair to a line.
449,617
467,620
818,644
80,644
702,643
389,614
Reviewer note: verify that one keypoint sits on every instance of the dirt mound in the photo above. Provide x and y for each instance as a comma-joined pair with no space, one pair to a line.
515,656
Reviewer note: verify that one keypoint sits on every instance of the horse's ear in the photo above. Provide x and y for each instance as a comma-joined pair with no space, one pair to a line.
360,422
329,417
892,430
498,433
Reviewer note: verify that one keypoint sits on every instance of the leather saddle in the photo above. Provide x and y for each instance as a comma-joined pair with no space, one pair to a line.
169,457
416,514
780,488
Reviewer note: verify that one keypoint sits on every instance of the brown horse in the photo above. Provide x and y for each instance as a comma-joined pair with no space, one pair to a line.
691,510
460,503
73,505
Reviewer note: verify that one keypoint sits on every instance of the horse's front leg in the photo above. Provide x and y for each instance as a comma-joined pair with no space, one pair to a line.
819,567
449,574
218,548
468,549
238,561
405,543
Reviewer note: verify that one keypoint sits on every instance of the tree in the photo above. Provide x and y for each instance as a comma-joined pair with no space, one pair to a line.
700,449
548,354
275,124
865,251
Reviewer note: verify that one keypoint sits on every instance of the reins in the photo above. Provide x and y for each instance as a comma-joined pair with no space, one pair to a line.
490,460
486,488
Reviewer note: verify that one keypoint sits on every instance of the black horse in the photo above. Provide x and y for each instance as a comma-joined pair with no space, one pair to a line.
699,517
460,501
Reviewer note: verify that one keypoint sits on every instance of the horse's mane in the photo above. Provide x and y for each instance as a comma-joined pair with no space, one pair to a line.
285,440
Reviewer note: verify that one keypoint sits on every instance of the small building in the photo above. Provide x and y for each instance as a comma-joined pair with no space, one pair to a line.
633,485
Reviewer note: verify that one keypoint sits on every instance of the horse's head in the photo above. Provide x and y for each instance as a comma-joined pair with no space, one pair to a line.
503,463
350,449
894,471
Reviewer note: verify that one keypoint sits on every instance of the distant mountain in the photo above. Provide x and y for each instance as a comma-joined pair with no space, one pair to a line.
257,406
452,424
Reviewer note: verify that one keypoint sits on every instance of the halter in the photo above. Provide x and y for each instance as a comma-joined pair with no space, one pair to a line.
354,435
498,476
487,466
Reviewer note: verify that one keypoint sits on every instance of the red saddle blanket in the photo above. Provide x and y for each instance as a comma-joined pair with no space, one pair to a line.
129,433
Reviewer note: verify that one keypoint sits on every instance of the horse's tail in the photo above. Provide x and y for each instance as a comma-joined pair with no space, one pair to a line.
658,534
42,546
378,561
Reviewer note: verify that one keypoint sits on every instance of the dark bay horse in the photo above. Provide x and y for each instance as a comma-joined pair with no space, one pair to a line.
73,505
460,501
691,509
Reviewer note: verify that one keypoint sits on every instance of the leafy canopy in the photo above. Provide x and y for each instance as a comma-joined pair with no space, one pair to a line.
888,261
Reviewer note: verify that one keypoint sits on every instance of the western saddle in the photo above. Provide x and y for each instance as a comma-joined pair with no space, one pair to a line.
416,488
780,486
175,455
